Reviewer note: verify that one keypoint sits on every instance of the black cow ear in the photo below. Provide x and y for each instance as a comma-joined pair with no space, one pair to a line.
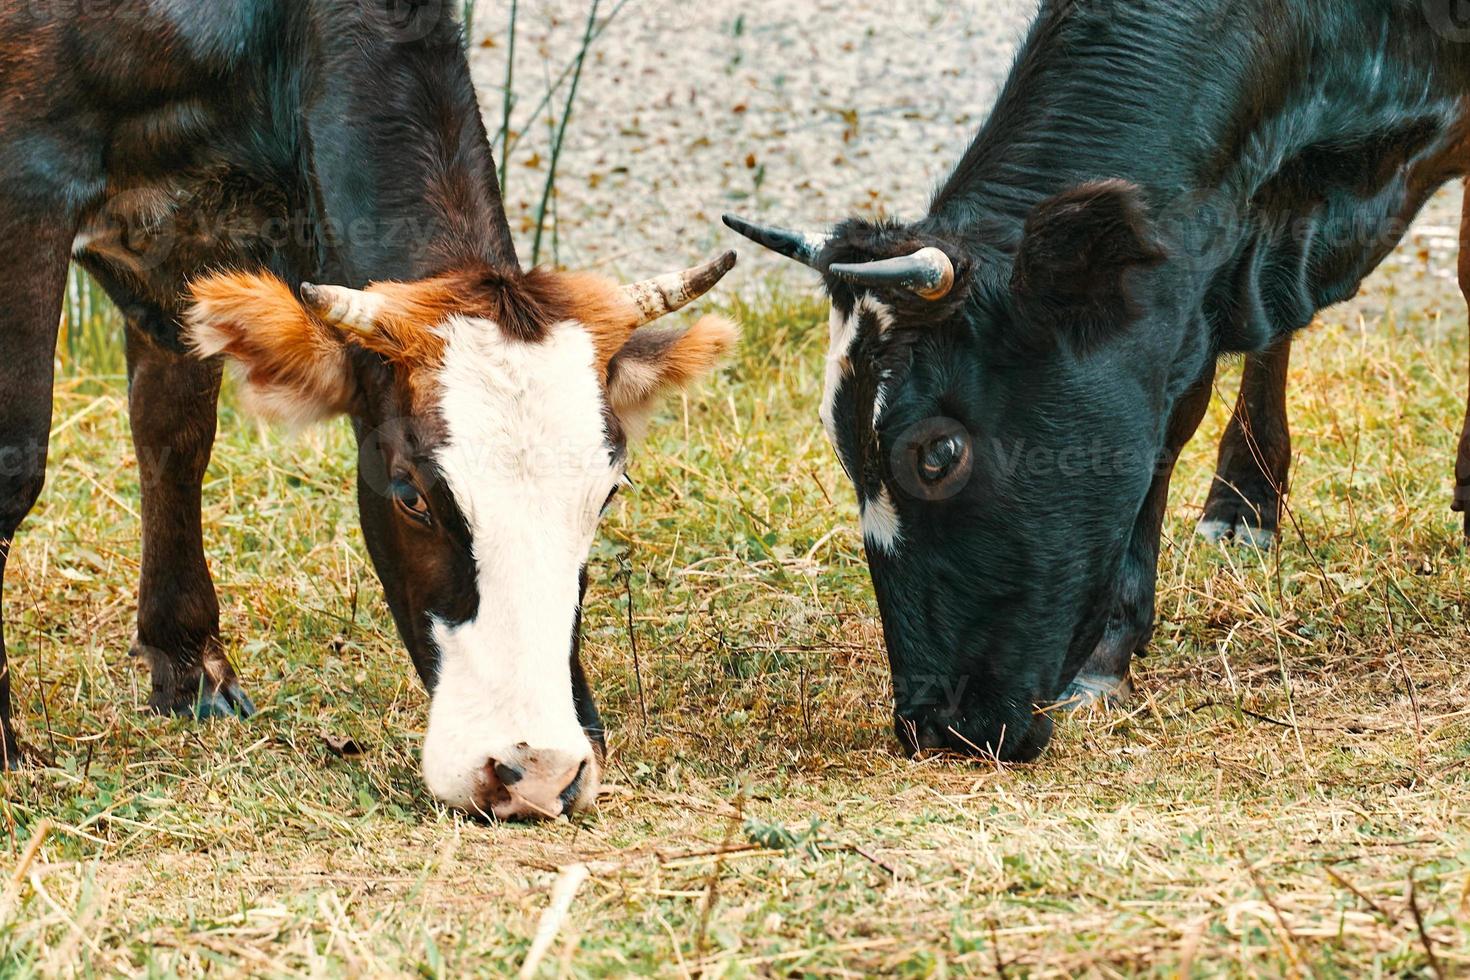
1076,253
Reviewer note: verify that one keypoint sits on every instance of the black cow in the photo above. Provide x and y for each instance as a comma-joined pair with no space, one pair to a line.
1012,377
271,142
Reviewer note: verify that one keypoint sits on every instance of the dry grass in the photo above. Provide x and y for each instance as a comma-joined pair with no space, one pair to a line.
1287,797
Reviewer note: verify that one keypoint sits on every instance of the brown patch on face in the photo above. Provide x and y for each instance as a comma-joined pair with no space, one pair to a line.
597,303
522,306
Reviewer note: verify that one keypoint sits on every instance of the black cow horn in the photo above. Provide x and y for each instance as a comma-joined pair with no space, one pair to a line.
796,245
928,273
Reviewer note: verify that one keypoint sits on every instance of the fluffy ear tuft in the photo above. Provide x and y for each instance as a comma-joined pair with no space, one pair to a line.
294,367
1077,251
657,360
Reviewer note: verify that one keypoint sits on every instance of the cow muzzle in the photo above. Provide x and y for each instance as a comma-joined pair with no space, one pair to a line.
535,785
519,782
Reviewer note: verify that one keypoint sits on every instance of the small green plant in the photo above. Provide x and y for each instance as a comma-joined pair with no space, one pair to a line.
91,340
779,837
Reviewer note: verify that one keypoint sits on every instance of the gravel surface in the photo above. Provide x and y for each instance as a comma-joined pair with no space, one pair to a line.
803,111
800,112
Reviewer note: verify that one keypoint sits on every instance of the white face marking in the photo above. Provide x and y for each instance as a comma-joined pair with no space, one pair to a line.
879,517
881,529
527,460
844,332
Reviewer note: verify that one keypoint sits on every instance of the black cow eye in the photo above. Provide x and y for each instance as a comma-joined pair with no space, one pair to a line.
412,503
622,482
942,458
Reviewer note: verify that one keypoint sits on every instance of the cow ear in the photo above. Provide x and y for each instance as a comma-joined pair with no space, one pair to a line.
660,359
294,366
1078,249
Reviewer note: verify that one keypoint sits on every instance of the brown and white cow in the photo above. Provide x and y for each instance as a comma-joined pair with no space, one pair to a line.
205,162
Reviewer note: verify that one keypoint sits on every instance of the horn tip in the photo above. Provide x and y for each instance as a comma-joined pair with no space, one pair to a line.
742,227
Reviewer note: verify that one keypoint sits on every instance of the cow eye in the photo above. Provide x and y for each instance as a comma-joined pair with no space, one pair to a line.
622,482
410,502
942,458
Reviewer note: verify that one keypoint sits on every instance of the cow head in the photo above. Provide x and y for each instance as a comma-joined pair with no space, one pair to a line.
493,412
999,411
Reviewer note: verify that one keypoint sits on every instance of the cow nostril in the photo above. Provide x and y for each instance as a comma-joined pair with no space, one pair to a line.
574,788
508,775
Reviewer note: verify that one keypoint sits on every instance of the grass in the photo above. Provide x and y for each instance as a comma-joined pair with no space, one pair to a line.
761,821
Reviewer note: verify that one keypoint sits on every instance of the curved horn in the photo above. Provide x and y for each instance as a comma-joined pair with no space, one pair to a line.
928,273
667,294
797,245
351,309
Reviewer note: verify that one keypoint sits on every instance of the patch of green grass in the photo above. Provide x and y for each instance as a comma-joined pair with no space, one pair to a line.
761,821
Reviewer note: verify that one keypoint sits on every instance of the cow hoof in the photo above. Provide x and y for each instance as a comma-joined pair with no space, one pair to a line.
203,691
12,759
1239,531
228,701
17,757
1090,691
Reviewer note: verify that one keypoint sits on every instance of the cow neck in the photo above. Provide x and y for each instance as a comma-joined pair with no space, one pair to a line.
401,162
1289,160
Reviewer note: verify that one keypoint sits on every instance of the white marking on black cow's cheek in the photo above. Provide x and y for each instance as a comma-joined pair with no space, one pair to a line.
881,528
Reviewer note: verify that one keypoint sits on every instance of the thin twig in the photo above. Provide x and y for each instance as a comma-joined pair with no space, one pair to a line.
1000,966
1434,965
1354,889
712,882
633,643
1393,643
33,848
863,852
509,102
1348,729
1288,938
555,916
23,866
509,147
561,133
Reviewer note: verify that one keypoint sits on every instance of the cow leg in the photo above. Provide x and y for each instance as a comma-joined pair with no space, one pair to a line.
1255,456
1103,679
32,283
1462,464
172,403
1462,475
